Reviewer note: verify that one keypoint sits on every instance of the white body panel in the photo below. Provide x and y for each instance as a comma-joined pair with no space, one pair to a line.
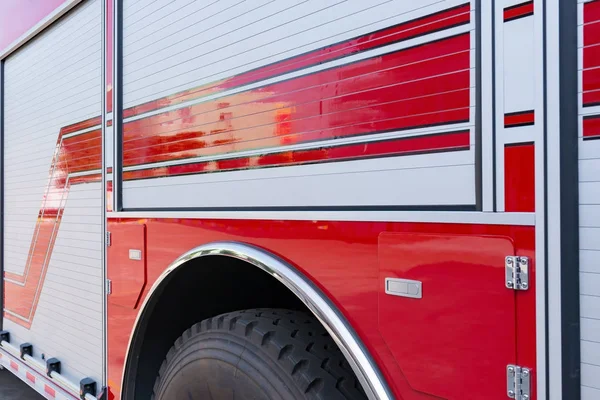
51,82
589,243
166,50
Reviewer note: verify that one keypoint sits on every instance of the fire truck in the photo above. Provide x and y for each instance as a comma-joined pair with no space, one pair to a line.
301,199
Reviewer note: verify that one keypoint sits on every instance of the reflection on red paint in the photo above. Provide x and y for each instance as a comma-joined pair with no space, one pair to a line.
519,178
450,141
426,335
438,21
78,153
347,270
422,86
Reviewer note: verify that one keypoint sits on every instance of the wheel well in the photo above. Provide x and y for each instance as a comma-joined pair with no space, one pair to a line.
200,288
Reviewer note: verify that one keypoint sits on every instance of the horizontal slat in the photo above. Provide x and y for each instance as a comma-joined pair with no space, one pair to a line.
589,261
590,307
590,284
590,375
590,330
590,352
588,393
589,238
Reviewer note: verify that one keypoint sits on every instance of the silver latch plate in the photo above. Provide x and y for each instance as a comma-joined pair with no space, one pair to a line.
135,254
404,288
517,272
518,382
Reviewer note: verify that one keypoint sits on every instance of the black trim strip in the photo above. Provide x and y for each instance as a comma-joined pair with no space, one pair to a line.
478,112
512,114
594,104
569,201
588,138
519,144
518,5
594,116
518,17
118,103
519,125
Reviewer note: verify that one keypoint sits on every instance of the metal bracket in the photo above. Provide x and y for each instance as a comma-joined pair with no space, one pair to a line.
517,272
26,349
518,382
87,386
108,239
108,286
52,365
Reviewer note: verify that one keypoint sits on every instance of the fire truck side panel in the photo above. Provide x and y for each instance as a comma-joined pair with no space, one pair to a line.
52,195
348,271
589,196
373,103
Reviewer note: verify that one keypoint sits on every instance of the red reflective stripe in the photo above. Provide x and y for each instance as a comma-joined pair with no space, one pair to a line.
591,56
395,147
591,11
518,11
88,123
14,365
49,391
519,178
519,119
591,53
420,26
396,91
591,127
30,377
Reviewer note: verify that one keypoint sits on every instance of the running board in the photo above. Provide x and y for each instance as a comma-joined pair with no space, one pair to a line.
44,378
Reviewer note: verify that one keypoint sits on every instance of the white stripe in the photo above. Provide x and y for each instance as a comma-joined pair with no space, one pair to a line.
466,217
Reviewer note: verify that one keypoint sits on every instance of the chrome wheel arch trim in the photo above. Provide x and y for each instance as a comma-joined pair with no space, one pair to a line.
317,302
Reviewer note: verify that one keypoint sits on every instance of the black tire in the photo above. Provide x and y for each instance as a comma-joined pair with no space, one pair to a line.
256,354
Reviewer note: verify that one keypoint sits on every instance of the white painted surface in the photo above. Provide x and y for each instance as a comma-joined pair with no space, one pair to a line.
170,46
589,243
53,81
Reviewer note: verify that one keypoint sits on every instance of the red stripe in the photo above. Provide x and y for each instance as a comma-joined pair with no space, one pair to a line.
591,126
591,56
396,91
519,178
51,392
518,11
591,53
397,147
519,119
30,377
421,26
88,123
14,365
591,11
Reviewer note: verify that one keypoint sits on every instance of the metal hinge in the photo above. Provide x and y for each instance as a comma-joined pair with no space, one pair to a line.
108,241
108,286
518,382
517,272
